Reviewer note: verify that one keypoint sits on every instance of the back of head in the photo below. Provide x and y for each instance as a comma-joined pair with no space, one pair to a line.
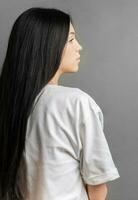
33,56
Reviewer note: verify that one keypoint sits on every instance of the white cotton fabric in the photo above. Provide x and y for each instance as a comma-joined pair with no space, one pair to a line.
66,146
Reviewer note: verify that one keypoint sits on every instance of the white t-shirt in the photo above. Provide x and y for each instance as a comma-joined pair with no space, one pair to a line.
66,146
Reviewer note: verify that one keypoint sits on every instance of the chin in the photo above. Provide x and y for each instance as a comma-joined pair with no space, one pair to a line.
75,69
72,69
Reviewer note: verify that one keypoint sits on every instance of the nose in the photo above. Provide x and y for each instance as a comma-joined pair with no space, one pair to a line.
79,47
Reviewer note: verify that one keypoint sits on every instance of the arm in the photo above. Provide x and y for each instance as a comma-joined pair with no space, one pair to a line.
97,192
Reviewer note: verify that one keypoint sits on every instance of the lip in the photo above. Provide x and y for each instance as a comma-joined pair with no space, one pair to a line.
78,58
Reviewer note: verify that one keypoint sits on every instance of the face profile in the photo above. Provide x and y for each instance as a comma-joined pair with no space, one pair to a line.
71,53
70,57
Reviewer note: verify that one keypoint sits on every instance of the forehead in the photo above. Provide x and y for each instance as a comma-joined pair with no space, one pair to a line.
71,31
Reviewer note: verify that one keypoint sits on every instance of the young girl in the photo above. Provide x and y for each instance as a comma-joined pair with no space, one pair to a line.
52,144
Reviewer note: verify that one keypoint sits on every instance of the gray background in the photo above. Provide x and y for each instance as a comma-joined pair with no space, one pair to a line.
108,33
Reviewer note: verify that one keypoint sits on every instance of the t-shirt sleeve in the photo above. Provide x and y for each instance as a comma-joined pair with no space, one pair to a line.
96,162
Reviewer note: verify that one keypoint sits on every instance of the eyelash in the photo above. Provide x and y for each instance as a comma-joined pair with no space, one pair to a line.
71,39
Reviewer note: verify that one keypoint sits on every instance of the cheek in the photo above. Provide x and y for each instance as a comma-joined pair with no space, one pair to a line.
68,57
71,54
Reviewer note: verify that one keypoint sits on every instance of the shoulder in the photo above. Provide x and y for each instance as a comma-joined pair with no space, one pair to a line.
74,96
80,95
84,102
86,99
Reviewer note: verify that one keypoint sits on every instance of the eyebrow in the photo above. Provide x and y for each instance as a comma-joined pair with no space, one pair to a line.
72,33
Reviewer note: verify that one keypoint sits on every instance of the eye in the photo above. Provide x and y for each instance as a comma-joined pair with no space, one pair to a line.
71,39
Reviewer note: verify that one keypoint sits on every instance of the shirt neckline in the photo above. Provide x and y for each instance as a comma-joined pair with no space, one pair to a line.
52,85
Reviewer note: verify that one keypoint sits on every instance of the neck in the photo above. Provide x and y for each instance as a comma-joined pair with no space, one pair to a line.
55,79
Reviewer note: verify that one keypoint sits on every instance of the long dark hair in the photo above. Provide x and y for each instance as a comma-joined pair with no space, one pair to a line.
33,56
